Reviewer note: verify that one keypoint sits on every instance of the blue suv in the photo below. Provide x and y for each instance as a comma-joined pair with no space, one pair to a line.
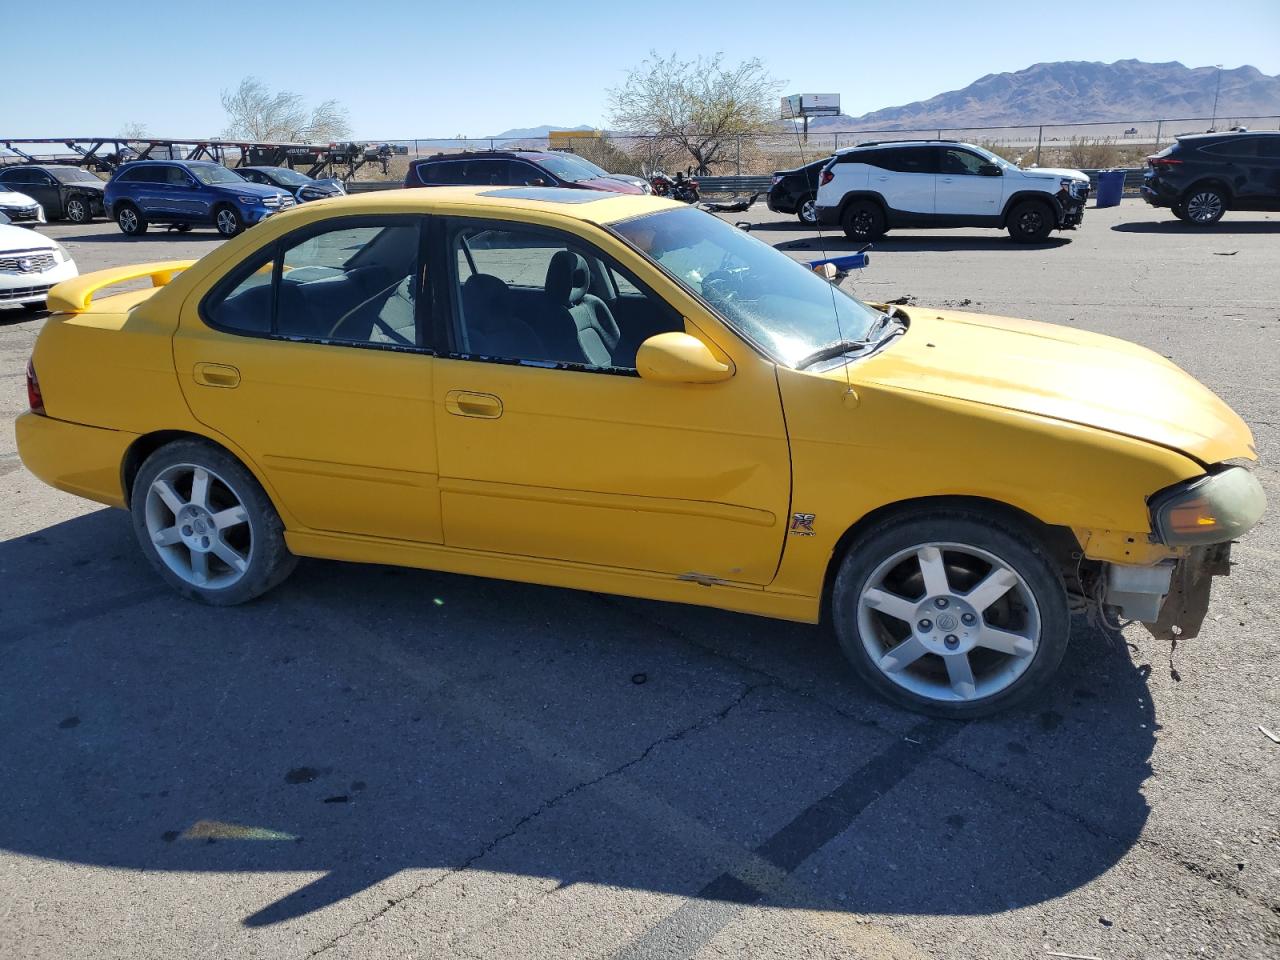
189,193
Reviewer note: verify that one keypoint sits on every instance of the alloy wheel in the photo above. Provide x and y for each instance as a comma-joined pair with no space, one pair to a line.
809,211
76,211
1204,207
226,222
948,621
199,526
128,220
1031,222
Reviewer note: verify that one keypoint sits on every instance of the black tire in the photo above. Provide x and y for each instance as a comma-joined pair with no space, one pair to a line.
130,220
78,210
1204,205
1178,212
1014,547
863,220
228,221
182,227
807,211
1031,221
269,561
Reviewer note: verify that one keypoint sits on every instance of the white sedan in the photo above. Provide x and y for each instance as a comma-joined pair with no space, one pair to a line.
29,265
20,208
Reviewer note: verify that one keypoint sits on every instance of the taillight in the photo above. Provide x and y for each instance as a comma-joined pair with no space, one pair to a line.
1164,161
34,399
827,176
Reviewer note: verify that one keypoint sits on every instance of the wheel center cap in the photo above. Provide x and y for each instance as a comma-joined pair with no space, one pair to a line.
948,621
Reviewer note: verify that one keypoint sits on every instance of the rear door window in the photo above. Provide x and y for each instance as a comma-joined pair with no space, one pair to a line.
909,159
1241,149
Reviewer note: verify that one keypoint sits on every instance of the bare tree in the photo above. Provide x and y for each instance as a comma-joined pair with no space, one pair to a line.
133,131
700,106
256,113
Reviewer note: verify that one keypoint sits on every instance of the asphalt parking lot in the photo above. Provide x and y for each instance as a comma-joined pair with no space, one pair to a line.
382,762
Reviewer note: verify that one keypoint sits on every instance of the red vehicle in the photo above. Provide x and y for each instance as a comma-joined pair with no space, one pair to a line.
513,168
681,188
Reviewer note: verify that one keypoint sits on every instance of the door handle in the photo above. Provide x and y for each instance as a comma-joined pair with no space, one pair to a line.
882,179
217,375
946,179
464,403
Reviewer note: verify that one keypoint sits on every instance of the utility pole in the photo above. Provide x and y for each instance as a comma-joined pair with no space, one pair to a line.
1216,88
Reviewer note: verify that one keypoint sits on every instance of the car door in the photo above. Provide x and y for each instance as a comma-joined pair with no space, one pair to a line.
43,189
187,197
1267,171
153,195
310,356
962,190
905,177
1235,161
551,446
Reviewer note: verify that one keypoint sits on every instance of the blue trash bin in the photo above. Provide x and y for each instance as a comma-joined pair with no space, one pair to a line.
1110,188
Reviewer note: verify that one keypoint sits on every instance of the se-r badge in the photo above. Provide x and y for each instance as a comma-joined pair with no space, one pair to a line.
802,524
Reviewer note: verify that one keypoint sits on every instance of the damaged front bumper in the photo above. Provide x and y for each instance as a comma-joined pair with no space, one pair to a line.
1171,598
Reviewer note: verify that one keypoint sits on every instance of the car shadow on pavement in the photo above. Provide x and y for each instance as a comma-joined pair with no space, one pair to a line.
364,720
835,245
1223,228
157,234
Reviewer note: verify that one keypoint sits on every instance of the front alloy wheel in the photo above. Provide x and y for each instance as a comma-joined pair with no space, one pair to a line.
953,615
228,221
78,210
808,211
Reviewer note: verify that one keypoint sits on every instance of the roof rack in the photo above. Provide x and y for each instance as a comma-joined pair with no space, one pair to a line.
883,143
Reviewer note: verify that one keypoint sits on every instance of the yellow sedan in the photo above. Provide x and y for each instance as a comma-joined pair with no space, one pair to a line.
627,395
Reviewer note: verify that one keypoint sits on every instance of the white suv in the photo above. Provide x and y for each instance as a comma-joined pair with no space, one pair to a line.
874,186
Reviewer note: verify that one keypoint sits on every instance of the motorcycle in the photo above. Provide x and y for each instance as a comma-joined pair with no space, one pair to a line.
682,188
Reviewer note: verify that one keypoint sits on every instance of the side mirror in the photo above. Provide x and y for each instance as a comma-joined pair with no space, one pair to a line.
679,358
990,170
537,182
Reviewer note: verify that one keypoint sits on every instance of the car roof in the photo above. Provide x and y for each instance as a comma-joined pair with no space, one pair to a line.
601,207
1227,134
933,142
485,155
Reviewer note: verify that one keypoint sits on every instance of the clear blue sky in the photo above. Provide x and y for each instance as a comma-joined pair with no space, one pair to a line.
416,68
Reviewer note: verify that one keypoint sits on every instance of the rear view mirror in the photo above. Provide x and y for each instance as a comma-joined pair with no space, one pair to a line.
679,358
990,170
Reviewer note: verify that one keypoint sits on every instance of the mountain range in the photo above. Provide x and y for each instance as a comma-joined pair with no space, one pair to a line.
1079,91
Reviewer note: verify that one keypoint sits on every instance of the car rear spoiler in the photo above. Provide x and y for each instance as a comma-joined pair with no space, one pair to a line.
75,295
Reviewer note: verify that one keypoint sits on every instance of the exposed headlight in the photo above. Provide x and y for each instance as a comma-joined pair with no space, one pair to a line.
61,254
250,200
1211,509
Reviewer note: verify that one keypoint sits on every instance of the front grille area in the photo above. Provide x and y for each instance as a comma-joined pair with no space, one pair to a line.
33,262
17,214
24,293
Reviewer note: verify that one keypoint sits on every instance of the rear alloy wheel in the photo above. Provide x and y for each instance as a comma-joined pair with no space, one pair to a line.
78,210
807,212
228,221
207,526
131,221
863,220
952,614
1204,205
1031,221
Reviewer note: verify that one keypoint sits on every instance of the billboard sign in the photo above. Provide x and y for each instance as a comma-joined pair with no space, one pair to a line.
810,105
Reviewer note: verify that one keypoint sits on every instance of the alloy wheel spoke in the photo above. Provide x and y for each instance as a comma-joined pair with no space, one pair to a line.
169,496
167,537
199,566
200,487
997,583
934,571
960,674
903,655
228,555
890,603
230,517
1005,642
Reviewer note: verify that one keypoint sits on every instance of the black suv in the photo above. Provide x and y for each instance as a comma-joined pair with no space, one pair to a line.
511,168
65,192
796,191
1201,177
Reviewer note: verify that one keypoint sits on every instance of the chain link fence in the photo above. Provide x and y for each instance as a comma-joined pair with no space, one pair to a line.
1120,143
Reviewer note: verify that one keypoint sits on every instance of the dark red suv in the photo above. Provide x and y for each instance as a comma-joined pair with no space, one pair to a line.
511,168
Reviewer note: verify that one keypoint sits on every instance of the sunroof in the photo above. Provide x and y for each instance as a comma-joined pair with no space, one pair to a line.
549,194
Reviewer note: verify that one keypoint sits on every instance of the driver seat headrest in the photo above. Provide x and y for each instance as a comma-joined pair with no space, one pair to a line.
568,278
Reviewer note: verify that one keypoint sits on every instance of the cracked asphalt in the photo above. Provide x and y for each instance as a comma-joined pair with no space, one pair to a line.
374,762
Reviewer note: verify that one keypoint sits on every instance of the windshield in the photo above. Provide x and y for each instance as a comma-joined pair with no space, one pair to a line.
595,168
785,308
567,167
214,173
286,176
73,175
